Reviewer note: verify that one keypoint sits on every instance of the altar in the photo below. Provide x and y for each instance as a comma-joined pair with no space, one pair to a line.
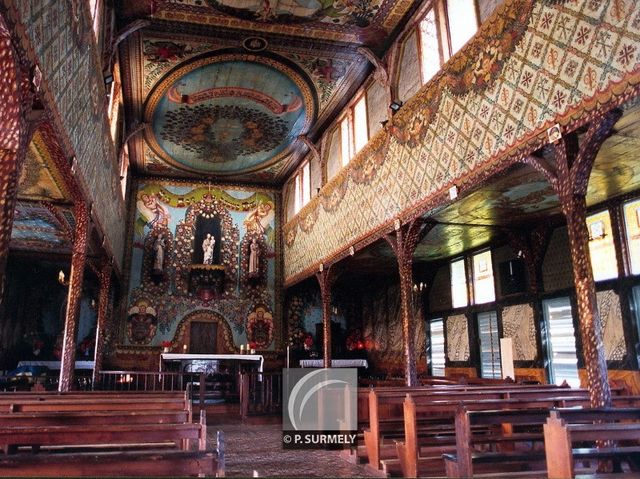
206,362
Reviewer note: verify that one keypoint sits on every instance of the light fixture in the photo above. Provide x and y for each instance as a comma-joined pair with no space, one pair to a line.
61,279
597,231
352,250
395,106
108,80
453,192
419,287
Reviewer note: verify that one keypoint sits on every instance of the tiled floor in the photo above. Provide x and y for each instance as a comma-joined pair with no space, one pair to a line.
256,450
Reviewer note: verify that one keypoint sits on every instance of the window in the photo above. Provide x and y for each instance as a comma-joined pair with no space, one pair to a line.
484,290
632,226
601,247
429,47
354,130
435,47
95,7
459,297
345,141
360,133
436,338
489,345
462,21
302,188
561,342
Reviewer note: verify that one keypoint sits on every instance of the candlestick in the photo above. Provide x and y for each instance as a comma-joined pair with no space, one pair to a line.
242,349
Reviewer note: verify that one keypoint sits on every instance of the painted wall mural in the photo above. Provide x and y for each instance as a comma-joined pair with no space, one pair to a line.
202,252
612,328
229,113
533,65
518,324
457,336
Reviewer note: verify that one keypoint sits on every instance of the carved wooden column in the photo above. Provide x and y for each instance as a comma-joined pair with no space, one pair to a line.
404,244
76,276
569,175
325,280
104,278
14,137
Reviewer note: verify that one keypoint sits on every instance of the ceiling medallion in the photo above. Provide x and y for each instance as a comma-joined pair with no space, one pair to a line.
228,114
254,44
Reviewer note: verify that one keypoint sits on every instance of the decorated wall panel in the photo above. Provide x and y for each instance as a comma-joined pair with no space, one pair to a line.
457,336
333,158
409,74
532,65
70,65
377,103
201,253
518,324
612,327
487,7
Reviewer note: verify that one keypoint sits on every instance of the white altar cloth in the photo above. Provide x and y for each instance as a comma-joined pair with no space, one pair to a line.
56,364
213,357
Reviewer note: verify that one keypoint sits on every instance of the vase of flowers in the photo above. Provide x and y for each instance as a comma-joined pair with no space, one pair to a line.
166,346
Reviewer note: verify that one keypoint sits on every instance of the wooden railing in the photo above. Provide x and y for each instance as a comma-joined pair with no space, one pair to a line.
260,393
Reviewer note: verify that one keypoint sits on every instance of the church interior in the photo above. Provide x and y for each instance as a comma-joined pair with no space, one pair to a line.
437,197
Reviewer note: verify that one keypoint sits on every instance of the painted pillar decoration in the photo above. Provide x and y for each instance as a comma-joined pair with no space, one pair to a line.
326,278
176,282
17,93
569,177
76,276
404,243
104,277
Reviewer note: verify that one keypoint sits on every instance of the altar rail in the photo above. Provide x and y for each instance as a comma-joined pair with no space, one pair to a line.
260,393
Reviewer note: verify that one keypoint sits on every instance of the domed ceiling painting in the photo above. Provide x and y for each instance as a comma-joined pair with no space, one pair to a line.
228,114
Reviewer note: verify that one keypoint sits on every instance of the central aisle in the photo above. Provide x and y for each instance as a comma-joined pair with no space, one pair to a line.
257,447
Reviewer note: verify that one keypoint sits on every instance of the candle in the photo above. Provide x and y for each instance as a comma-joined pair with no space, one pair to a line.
253,351
242,349
184,348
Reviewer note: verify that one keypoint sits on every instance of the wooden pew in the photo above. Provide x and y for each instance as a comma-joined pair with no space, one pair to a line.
561,432
92,418
92,404
478,430
386,417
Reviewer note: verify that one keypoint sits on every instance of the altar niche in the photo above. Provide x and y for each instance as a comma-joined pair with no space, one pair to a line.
206,228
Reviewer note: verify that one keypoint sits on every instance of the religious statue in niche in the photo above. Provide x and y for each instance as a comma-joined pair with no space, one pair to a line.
254,259
142,322
208,246
158,255
207,235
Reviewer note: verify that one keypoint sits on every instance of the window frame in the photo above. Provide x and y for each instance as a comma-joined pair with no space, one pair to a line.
299,180
430,345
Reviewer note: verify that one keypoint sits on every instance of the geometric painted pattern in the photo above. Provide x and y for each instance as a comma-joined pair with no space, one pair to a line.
533,64
73,85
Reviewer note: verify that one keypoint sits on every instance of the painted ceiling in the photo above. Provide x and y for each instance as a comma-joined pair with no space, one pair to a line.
203,73
228,114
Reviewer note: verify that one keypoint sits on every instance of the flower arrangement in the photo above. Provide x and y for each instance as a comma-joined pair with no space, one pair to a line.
308,342
354,340
166,346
